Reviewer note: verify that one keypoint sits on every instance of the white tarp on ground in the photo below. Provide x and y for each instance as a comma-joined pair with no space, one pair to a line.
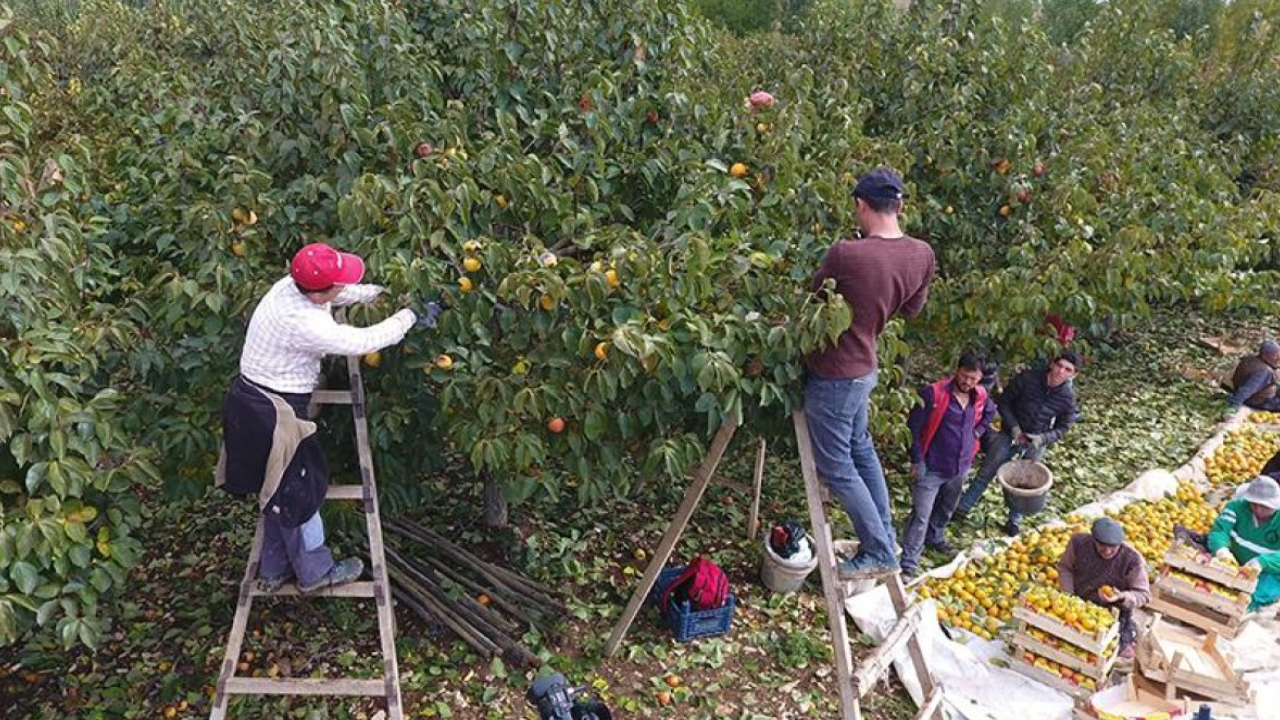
977,689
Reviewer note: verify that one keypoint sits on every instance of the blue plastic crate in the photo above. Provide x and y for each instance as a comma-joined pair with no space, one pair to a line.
687,624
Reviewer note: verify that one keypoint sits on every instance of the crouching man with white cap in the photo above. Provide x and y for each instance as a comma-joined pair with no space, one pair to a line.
1248,532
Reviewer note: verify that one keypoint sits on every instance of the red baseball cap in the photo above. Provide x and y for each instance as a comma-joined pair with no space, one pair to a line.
320,267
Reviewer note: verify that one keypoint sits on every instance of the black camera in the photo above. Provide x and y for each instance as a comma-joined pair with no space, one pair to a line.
556,699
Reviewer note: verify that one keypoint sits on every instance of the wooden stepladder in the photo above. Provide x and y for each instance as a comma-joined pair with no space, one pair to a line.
388,686
854,683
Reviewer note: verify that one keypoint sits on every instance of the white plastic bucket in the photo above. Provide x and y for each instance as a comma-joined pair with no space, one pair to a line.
782,575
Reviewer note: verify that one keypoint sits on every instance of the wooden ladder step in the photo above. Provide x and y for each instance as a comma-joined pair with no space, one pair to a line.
344,492
364,589
305,686
331,397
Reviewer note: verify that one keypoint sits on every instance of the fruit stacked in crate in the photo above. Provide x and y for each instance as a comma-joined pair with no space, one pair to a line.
1203,591
1063,641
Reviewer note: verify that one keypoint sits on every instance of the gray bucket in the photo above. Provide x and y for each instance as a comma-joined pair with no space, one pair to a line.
1026,485
782,575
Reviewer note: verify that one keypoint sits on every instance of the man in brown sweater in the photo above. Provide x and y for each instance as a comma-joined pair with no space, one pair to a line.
1099,567
884,274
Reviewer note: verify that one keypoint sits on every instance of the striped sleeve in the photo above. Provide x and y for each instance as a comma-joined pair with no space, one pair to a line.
1220,535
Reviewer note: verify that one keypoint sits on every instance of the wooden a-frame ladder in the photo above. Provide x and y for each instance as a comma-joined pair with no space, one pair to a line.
855,683
388,686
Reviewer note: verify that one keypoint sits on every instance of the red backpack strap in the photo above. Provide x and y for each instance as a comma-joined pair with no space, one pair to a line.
979,406
936,413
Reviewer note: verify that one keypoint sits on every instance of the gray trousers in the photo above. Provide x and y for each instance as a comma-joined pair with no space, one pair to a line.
299,551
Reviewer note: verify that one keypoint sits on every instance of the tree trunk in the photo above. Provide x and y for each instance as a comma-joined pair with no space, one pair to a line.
495,506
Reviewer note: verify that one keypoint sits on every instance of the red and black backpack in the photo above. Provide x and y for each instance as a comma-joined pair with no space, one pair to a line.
702,583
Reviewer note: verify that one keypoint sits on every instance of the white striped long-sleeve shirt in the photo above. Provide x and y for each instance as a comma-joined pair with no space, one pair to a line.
289,335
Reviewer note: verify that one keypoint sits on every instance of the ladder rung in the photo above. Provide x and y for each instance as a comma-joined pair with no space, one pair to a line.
344,492
351,589
331,397
305,686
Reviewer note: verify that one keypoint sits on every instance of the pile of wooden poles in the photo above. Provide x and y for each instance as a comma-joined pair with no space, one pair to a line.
487,606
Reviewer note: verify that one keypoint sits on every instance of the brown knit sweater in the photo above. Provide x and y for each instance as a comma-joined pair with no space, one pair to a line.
1081,571
879,278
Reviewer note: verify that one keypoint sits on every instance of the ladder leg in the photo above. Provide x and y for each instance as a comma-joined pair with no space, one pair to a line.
832,588
898,594
238,625
377,553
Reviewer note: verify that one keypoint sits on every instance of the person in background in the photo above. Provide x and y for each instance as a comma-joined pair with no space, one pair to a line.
269,447
945,426
886,273
1037,409
1247,532
1253,383
1099,567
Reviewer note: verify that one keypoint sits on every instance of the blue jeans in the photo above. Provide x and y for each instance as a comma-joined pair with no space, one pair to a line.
846,458
998,450
933,500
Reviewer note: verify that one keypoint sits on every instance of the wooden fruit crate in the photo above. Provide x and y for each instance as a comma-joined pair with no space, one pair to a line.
1096,643
1045,677
1099,669
1208,598
1211,571
1190,660
1131,701
1172,601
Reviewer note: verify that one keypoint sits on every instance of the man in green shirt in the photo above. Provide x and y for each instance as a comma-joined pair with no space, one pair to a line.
1248,531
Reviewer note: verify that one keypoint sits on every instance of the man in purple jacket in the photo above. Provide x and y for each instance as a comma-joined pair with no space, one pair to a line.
944,440
884,274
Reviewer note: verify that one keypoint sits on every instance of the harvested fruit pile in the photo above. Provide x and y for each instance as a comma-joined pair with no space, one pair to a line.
1205,585
1076,613
1148,526
1225,565
980,596
1075,677
1243,453
1063,646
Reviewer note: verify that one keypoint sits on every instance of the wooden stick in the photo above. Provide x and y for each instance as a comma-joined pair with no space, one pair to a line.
753,519
482,620
548,606
663,553
478,615
424,604
475,587
514,583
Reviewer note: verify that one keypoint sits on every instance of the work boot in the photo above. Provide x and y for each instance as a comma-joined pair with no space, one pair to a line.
343,571
863,567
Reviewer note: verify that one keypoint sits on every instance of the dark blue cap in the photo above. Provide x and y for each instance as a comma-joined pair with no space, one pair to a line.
880,184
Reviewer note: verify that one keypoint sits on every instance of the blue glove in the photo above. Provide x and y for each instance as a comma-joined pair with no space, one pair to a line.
428,315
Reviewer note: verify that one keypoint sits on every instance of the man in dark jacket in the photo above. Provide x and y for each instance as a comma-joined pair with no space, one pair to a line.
1036,410
1254,381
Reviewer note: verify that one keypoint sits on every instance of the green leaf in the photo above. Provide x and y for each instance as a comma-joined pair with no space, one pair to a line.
24,576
